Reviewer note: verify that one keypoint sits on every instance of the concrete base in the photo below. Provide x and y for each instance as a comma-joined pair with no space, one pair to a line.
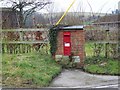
75,59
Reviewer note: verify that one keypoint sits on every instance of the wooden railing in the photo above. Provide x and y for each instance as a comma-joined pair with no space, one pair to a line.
24,40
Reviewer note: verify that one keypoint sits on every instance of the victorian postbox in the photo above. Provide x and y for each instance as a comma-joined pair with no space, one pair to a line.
66,43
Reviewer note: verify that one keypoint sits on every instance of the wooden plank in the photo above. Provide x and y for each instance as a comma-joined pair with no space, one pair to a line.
25,30
33,42
116,22
103,42
24,42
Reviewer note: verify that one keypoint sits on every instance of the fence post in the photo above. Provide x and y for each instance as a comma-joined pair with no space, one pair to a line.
107,43
21,35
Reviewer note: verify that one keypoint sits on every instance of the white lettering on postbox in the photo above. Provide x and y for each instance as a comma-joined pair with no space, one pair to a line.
67,44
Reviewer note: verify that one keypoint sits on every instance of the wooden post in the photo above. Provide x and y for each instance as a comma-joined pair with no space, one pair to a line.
107,43
106,50
3,48
21,35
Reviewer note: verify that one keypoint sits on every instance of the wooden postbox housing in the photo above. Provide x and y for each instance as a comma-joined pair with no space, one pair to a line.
70,41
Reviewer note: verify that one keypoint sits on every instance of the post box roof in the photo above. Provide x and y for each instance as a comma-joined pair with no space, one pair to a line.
80,27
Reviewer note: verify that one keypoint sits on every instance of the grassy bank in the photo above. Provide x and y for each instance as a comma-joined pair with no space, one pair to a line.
28,70
100,65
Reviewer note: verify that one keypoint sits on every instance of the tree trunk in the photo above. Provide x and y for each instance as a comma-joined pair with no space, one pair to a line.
21,18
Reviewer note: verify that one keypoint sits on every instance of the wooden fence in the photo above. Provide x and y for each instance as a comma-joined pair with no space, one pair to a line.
28,40
104,36
24,40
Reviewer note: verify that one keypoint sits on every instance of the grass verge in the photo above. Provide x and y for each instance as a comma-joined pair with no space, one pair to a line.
102,66
28,70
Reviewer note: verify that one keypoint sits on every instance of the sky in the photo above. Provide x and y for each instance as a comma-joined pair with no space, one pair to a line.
100,6
103,6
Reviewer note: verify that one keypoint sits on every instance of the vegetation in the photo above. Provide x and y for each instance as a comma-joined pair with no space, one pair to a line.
67,64
100,64
20,5
0,71
28,70
53,33
89,49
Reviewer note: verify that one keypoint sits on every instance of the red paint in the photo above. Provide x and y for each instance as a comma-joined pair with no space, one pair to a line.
67,43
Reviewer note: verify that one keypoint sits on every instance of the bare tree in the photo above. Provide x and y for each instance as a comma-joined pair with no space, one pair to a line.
50,9
26,8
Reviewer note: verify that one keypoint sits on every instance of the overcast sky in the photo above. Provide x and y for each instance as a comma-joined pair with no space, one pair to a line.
104,6
97,5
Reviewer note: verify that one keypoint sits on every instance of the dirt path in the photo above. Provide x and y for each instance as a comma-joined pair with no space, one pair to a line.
78,78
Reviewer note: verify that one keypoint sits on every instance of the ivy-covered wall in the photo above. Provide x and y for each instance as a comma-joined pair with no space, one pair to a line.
53,33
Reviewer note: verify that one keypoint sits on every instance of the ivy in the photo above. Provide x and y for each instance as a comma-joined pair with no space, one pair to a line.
53,33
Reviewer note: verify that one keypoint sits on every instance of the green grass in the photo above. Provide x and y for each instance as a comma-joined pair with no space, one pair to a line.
28,70
0,70
109,67
89,49
100,65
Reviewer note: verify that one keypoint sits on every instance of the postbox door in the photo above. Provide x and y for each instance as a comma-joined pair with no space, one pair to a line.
67,43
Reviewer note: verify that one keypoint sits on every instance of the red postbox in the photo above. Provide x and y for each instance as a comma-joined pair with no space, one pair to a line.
67,43
70,45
